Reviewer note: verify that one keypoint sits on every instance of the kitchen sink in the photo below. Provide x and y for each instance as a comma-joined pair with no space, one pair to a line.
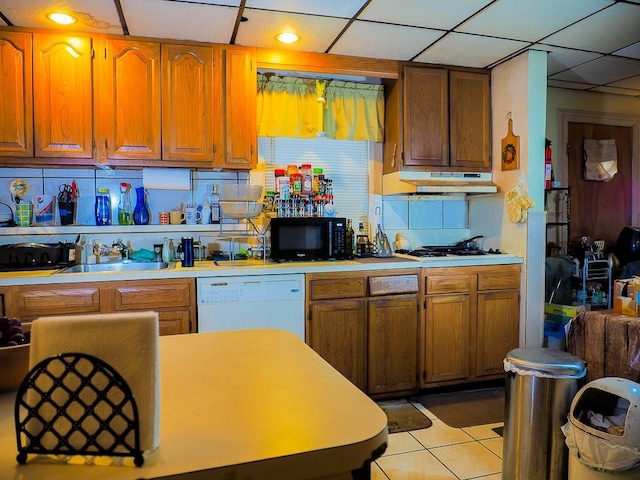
120,266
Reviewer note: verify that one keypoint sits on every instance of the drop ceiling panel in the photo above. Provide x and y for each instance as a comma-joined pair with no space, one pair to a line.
188,21
469,50
529,21
369,39
617,91
600,71
608,31
633,83
419,13
92,16
569,85
632,51
560,59
329,8
316,33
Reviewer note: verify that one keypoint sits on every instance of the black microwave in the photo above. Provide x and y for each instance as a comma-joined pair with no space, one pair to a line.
308,238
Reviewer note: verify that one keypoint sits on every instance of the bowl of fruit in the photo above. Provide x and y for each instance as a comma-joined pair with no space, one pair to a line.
14,352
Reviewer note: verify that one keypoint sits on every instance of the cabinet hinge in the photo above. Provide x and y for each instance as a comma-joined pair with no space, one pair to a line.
93,54
105,53
568,149
215,150
93,143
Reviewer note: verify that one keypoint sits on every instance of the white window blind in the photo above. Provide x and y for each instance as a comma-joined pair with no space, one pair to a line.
345,162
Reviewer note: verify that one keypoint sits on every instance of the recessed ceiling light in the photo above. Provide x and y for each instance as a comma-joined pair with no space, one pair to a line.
61,18
288,37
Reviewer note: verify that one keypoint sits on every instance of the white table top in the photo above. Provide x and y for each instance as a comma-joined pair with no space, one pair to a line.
254,404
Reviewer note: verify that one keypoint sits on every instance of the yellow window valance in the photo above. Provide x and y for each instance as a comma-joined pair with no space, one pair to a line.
302,107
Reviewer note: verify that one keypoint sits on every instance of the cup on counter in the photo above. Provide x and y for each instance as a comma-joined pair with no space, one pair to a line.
164,218
192,215
176,217
24,212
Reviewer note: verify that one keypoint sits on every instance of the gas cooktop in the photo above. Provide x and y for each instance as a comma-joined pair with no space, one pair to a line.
443,251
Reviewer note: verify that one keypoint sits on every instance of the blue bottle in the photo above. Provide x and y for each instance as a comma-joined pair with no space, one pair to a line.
103,207
141,212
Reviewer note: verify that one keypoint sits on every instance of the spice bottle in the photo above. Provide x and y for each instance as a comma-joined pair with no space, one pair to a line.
307,179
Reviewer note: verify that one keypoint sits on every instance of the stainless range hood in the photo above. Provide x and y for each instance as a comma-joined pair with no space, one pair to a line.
404,182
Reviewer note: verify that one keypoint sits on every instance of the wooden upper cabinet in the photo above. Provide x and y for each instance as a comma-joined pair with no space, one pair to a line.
16,102
470,120
130,100
63,98
190,102
239,107
426,117
438,119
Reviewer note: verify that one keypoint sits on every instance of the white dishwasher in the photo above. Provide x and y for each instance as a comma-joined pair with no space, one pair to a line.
252,301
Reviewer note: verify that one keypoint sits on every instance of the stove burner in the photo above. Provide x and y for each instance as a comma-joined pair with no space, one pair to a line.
443,251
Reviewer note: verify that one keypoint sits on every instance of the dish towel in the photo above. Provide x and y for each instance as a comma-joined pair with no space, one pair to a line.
128,342
601,159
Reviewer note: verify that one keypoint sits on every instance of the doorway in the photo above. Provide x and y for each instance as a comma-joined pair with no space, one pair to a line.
600,209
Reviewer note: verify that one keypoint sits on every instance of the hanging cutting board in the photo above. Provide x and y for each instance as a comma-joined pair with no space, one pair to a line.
510,149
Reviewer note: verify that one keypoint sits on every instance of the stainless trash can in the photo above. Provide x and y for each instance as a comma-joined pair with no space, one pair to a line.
540,385
603,431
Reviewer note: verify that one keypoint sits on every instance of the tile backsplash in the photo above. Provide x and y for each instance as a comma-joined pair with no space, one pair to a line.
426,219
47,182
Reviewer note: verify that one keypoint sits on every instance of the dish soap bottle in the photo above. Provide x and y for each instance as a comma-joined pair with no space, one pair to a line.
124,206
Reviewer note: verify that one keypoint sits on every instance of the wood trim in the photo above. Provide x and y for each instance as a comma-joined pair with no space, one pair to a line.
326,63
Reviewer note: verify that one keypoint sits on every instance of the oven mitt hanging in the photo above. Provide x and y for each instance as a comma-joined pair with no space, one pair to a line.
518,204
600,160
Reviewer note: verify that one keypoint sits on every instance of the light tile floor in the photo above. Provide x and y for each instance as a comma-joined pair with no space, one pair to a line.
441,452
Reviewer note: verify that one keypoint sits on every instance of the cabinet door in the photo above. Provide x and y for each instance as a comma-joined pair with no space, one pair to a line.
498,327
239,107
16,103
336,330
130,100
190,102
448,335
174,301
62,91
426,117
392,344
470,127
29,302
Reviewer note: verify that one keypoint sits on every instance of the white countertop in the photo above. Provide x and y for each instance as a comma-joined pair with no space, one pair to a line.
255,267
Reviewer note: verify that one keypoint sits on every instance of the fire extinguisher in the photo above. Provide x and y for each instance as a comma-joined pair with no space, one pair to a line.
548,167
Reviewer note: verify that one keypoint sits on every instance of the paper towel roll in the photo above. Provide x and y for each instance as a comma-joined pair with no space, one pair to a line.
128,342
166,178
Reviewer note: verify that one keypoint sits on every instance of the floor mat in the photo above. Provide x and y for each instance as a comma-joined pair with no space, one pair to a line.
467,408
403,416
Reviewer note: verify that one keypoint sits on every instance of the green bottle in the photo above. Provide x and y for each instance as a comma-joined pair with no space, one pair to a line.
124,206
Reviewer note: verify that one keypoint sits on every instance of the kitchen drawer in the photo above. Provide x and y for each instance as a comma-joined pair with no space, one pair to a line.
506,278
448,284
152,295
392,284
330,288
43,300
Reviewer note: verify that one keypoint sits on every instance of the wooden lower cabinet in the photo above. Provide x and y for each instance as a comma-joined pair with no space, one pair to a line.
471,321
173,299
337,330
392,343
365,325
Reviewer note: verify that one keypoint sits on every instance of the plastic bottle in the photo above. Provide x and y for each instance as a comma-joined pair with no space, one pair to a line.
279,176
166,251
103,207
317,178
125,216
215,205
296,183
307,179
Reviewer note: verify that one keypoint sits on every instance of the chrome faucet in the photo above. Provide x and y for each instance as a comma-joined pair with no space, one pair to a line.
119,246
